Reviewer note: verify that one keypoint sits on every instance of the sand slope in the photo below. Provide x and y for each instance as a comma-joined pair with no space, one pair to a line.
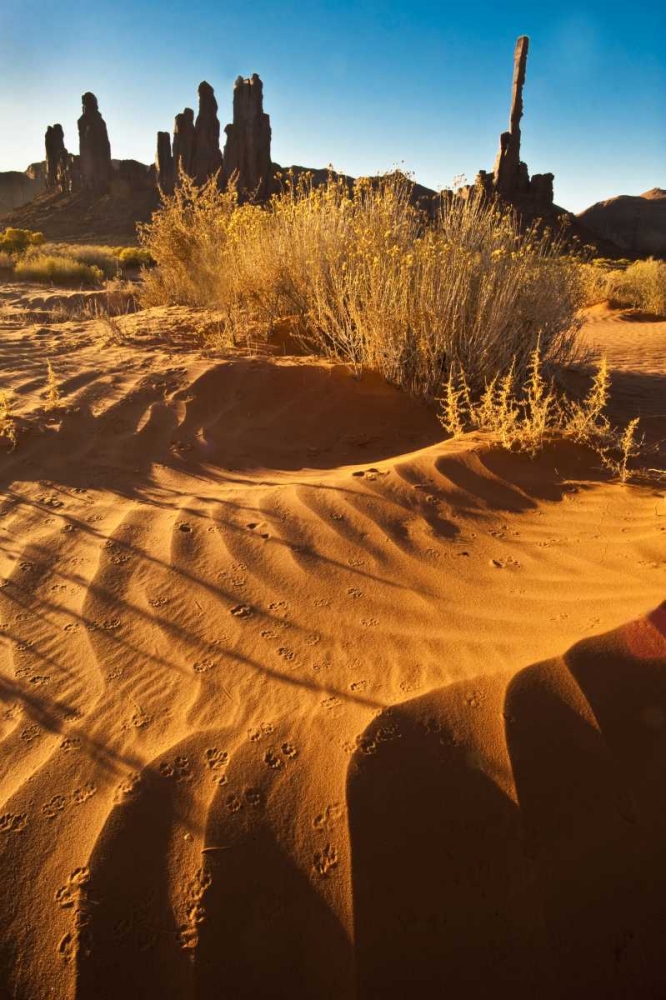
299,700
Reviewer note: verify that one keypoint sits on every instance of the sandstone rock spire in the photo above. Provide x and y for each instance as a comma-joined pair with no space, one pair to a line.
183,143
57,160
94,147
164,163
247,151
510,173
207,155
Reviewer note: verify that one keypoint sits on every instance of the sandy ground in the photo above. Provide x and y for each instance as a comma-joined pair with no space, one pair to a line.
300,701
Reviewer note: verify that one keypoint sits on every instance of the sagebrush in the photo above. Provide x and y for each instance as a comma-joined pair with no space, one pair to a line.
369,279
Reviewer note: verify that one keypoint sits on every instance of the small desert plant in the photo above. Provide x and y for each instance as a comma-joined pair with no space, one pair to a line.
521,417
52,387
54,269
7,420
17,241
7,262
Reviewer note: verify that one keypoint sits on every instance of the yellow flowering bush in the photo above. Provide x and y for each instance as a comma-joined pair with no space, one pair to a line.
369,278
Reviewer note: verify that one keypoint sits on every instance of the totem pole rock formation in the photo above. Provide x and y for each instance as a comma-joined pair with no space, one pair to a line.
94,148
247,151
510,173
58,160
510,178
164,164
207,155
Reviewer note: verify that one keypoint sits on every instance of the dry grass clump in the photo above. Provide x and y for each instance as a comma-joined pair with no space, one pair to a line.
57,270
24,254
523,415
134,257
7,420
52,387
369,279
641,285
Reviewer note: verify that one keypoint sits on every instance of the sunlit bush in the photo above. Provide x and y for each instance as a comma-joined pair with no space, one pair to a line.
369,279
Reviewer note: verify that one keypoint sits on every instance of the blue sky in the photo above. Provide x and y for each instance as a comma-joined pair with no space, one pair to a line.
364,85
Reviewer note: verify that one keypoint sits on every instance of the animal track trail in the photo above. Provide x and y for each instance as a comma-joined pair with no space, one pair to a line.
194,910
73,896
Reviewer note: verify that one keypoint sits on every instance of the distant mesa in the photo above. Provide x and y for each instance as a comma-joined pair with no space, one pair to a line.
18,187
636,224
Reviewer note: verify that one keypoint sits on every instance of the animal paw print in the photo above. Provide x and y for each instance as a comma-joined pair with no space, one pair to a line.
328,818
475,699
313,640
289,750
179,770
354,592
204,666
369,622
272,760
31,733
331,703
254,797
325,861
286,653
128,787
158,602
68,894
265,729
54,806
85,792
13,822
358,685
233,803
216,759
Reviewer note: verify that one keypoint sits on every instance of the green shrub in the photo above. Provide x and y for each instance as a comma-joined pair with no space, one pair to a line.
58,270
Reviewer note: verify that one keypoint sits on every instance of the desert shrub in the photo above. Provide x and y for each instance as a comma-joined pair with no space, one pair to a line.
369,279
102,258
638,285
521,416
642,285
16,241
130,257
6,261
58,270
